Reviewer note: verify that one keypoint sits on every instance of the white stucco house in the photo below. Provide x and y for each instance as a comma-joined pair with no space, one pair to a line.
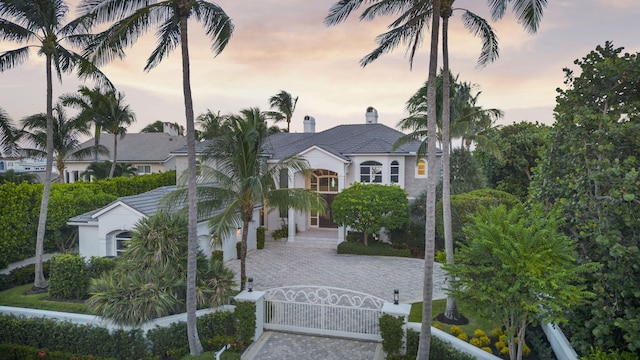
105,231
339,156
148,152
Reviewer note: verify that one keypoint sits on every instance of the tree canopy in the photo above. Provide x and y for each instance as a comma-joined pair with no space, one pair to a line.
370,207
591,172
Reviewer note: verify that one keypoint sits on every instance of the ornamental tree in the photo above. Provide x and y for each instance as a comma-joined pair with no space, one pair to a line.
517,268
370,207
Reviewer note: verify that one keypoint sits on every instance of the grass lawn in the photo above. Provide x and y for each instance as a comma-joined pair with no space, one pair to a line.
475,322
15,297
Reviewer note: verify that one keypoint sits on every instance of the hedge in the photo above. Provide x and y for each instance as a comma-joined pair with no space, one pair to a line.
20,209
69,278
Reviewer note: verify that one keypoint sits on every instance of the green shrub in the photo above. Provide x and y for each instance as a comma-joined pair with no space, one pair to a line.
260,236
392,334
411,237
100,265
25,275
69,279
598,354
71,338
238,249
246,315
217,255
374,248
281,233
21,352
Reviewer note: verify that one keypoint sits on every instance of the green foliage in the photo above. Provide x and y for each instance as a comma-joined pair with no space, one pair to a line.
69,278
369,207
71,338
392,333
598,354
591,173
439,349
466,172
218,255
20,209
20,296
375,248
99,265
238,249
260,237
464,206
246,315
25,274
518,268
21,352
411,237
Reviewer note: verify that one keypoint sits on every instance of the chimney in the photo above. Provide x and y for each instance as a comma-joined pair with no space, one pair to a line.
372,115
309,124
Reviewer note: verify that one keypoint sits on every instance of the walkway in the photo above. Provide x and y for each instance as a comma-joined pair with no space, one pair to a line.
283,264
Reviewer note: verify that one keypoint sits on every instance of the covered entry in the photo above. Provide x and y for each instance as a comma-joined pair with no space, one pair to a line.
324,182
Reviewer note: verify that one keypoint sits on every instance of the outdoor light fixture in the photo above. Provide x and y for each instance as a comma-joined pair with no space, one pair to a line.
250,284
396,296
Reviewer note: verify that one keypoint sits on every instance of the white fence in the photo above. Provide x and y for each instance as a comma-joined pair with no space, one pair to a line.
323,311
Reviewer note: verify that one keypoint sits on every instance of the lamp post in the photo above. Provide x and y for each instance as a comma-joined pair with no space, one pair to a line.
250,284
396,297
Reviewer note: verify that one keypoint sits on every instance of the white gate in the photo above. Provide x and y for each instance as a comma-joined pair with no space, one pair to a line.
323,311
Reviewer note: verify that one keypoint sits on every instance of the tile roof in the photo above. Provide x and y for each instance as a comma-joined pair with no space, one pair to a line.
138,147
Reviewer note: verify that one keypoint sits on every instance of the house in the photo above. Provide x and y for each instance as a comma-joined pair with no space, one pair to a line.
148,152
339,156
105,231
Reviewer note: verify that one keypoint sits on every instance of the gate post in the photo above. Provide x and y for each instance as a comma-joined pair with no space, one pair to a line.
256,297
401,310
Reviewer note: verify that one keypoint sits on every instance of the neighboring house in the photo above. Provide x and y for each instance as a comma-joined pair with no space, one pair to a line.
338,157
148,152
105,231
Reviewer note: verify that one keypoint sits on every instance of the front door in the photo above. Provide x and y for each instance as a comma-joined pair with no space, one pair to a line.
327,220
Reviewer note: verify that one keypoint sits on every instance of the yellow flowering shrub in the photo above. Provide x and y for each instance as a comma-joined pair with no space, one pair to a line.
456,330
479,333
463,337
496,333
526,351
487,349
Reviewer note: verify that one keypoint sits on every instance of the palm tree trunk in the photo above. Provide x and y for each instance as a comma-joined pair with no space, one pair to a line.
115,155
39,282
195,346
243,254
424,347
96,142
451,310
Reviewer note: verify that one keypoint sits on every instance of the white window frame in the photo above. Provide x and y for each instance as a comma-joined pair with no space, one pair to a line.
372,176
122,237
426,168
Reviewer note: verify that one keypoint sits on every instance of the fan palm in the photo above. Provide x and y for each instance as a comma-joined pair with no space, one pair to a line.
40,24
132,19
285,104
66,135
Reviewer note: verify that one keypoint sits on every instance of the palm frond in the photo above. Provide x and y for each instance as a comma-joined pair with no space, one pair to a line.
13,32
341,10
217,24
168,39
11,58
529,13
479,27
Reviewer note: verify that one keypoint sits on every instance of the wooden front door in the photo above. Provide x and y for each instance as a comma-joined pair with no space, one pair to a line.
326,221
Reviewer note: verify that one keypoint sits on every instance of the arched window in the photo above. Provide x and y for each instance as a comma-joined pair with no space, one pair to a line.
421,168
122,242
395,172
371,172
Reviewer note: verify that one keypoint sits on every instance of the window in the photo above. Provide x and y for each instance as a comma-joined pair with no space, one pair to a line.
144,169
122,242
395,172
421,168
371,172
324,181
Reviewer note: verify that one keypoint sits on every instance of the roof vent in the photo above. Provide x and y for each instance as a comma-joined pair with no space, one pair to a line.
309,124
372,115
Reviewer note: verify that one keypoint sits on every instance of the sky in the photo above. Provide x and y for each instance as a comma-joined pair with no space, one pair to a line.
284,45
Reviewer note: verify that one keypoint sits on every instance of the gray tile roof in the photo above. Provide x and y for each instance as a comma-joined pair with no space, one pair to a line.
138,147
146,203
342,141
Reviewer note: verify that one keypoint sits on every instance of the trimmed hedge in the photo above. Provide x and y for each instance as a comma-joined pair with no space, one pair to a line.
21,352
374,248
69,278
20,209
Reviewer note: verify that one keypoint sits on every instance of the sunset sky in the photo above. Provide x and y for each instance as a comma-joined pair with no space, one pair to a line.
284,44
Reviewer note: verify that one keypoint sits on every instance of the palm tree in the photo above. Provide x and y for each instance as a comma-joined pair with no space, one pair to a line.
40,24
7,134
408,29
116,116
100,170
133,18
212,125
158,126
66,135
285,104
242,180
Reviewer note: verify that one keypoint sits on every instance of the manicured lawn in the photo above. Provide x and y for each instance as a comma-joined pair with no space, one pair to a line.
475,322
15,297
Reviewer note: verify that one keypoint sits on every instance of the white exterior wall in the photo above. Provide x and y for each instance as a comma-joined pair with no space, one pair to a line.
112,222
88,243
81,167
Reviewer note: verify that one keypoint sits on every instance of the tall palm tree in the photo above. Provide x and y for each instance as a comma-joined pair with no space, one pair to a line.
242,180
66,135
212,125
40,24
132,19
116,116
285,104
7,134
408,29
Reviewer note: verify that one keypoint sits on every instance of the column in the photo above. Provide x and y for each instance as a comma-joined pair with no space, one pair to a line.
403,311
256,297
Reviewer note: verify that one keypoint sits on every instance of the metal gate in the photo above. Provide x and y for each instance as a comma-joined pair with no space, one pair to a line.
323,311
